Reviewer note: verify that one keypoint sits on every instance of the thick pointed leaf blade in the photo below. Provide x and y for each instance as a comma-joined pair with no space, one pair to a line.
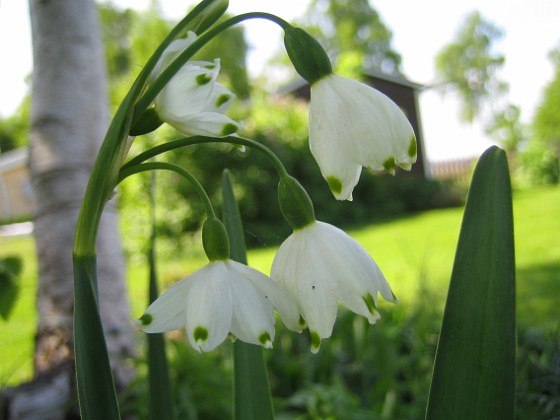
474,371
96,389
251,391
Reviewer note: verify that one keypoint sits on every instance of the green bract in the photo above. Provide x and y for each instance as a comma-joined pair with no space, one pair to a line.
295,204
308,56
215,240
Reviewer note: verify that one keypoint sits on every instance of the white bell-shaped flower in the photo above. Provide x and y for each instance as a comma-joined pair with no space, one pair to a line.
222,297
319,265
193,102
352,125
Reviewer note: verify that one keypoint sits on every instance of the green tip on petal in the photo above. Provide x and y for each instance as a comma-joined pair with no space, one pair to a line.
265,340
390,165
395,298
229,129
146,319
222,99
315,342
412,149
301,322
200,334
335,184
203,79
370,303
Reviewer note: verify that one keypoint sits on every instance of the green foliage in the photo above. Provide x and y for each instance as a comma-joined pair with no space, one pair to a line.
539,165
470,66
201,383
542,159
10,271
506,128
415,253
355,35
546,125
14,129
371,371
539,374
280,124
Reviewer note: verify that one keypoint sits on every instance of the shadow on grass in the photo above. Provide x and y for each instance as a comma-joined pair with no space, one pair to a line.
538,290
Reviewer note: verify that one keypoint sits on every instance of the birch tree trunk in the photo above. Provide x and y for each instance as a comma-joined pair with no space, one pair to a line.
69,117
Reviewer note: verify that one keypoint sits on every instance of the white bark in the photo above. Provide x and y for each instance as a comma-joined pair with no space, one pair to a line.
69,117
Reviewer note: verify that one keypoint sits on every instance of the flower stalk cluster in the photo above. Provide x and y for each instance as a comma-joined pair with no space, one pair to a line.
351,126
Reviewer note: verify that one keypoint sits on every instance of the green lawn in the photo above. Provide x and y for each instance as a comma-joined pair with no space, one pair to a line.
415,253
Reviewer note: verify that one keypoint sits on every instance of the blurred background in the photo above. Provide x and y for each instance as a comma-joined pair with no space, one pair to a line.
467,75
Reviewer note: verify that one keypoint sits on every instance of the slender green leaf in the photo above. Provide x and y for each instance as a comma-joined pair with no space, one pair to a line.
251,390
161,403
474,372
95,381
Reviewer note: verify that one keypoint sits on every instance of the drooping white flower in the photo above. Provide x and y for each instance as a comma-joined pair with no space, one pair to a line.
352,125
319,265
193,102
222,297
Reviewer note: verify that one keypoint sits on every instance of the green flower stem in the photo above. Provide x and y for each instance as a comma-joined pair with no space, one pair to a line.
96,391
150,166
190,141
114,148
186,55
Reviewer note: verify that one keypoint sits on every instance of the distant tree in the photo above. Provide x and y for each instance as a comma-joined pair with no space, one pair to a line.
14,129
546,124
507,129
355,36
470,66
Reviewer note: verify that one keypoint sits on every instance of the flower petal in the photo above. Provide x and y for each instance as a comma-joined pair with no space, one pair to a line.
211,124
281,300
167,312
253,315
209,307
221,99
353,125
296,267
328,130
189,91
172,51
356,277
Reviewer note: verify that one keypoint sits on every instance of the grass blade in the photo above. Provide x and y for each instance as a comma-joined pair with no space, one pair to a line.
474,371
251,390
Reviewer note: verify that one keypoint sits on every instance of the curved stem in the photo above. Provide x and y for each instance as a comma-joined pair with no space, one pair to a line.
158,84
113,149
150,166
190,141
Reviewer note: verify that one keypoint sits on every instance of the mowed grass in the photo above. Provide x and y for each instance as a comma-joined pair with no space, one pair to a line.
415,252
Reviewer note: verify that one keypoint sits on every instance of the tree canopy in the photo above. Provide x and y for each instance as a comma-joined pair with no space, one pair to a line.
355,36
470,65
